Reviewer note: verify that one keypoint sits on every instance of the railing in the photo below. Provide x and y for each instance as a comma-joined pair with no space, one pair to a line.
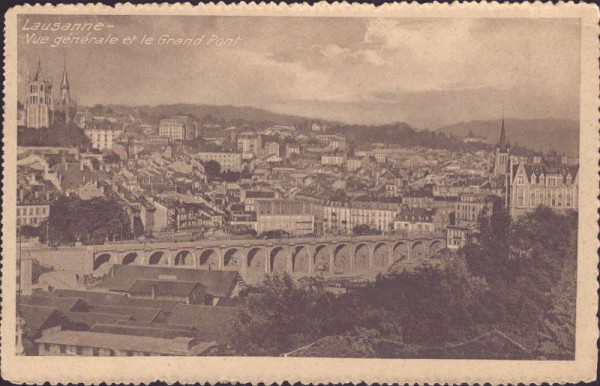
168,244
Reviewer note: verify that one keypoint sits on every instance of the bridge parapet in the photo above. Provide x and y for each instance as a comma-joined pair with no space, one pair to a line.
308,255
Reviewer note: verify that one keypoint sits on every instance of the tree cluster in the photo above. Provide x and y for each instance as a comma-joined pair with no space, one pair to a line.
510,294
58,135
87,221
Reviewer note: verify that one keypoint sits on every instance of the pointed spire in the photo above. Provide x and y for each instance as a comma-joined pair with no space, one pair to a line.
65,78
503,144
38,72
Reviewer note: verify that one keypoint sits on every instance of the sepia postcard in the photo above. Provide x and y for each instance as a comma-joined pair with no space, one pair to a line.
318,193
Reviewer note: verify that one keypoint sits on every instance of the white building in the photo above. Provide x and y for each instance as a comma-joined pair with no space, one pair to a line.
333,159
250,144
231,162
102,137
177,128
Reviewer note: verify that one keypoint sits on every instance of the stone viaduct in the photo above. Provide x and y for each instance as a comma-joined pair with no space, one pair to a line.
333,255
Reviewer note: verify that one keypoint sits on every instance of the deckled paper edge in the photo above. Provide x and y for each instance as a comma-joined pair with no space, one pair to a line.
315,370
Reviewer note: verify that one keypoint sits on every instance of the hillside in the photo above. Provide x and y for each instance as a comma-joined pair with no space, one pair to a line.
212,113
537,134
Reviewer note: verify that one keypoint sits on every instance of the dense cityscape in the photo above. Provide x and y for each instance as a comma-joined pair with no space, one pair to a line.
180,234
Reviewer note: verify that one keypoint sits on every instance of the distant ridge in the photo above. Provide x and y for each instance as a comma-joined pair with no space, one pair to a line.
541,135
217,112
536,134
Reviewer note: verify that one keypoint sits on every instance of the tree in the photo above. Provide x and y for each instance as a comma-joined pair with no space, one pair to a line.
212,168
138,227
280,317
364,230
60,134
93,221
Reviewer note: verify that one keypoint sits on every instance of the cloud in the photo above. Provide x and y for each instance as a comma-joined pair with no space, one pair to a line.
370,70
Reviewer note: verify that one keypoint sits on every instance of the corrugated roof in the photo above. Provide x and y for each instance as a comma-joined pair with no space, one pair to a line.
63,304
219,283
90,297
138,313
89,319
164,287
212,321
39,317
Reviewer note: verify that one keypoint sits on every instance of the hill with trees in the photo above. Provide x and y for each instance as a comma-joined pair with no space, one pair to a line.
541,135
510,295
60,135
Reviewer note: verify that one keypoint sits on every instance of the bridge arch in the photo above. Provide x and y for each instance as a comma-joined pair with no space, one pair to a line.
435,246
400,251
278,259
362,257
322,258
301,259
232,259
184,258
132,258
208,258
158,258
380,255
342,258
103,260
418,249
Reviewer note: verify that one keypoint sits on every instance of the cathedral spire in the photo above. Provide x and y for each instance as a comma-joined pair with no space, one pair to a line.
65,78
503,144
38,72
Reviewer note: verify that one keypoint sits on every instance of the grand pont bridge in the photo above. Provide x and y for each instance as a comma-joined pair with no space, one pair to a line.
332,255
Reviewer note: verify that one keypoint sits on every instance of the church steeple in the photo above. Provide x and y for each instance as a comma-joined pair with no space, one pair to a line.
503,144
38,72
65,104
502,156
65,79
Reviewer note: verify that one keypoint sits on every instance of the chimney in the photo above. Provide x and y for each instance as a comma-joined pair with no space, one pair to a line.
81,166
153,292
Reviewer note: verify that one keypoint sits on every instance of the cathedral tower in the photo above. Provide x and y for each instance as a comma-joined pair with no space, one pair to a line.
38,106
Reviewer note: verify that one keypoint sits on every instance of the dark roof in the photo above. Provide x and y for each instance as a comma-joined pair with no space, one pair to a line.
141,323
89,319
212,322
232,302
63,304
90,297
419,193
138,313
38,318
534,171
164,287
164,305
218,283
259,194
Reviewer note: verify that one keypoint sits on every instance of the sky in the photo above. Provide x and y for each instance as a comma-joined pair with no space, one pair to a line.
426,72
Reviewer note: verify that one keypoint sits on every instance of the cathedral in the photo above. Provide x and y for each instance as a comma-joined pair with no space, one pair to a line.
41,111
